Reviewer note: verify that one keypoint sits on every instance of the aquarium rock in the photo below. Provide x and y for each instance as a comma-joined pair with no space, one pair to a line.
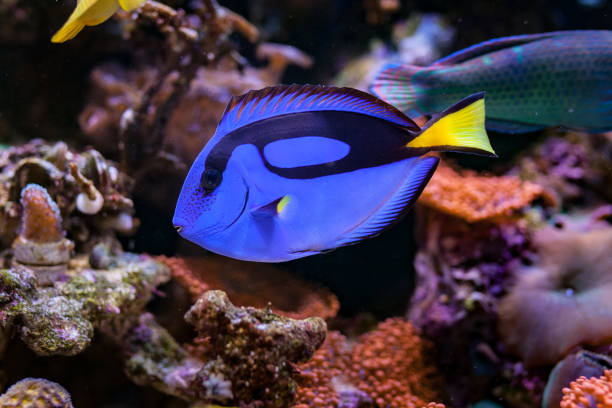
60,319
255,350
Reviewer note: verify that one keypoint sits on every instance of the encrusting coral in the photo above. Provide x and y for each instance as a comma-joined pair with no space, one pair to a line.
574,168
253,284
387,367
35,393
473,197
563,299
595,392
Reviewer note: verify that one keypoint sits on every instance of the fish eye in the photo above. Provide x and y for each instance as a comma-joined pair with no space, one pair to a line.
211,178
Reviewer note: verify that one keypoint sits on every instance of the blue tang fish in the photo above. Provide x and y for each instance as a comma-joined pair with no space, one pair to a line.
532,81
293,171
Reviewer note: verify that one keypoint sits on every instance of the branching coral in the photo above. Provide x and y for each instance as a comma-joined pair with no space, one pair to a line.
35,393
250,284
474,197
257,348
563,300
589,392
387,367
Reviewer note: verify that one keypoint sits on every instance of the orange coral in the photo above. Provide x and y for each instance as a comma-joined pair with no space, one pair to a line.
387,364
41,218
251,284
589,392
474,197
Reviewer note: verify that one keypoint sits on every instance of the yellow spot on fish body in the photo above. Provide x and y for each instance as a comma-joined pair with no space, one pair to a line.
90,13
282,204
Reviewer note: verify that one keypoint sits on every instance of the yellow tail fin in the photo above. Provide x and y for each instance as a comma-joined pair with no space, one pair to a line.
129,5
460,128
68,31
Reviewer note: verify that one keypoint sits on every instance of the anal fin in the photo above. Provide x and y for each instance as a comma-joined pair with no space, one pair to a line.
397,205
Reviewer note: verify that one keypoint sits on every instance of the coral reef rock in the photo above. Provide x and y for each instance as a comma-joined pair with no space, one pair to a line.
77,183
60,319
251,352
387,367
35,393
551,307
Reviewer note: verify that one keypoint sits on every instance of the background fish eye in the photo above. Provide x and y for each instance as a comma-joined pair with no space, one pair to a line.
211,178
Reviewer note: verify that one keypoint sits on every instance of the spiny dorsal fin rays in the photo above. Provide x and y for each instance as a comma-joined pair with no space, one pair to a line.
274,101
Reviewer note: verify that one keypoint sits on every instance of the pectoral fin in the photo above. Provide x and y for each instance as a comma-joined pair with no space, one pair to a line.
271,209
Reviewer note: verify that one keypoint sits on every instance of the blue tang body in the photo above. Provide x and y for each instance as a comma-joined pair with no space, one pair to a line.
297,170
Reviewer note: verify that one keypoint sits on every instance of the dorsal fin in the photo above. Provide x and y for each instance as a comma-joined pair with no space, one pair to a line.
284,99
495,44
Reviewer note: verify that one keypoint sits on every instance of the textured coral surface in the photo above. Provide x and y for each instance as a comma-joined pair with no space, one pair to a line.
35,393
594,392
475,197
388,366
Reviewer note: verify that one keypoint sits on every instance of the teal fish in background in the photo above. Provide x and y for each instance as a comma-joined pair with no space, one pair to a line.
532,81
297,170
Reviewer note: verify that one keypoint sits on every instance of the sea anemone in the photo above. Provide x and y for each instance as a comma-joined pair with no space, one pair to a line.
35,393
562,301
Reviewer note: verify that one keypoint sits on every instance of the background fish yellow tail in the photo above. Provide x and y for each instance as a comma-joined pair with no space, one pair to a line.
460,128
90,13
